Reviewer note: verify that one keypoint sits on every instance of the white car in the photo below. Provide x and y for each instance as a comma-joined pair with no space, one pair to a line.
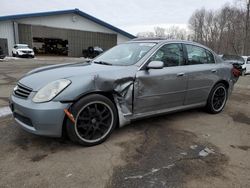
22,50
246,65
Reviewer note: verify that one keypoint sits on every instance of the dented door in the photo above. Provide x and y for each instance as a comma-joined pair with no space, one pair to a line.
159,89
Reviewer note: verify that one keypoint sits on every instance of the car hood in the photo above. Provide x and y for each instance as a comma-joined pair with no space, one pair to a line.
38,78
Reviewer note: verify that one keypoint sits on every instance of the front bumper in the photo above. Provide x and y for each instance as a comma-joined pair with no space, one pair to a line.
39,118
26,55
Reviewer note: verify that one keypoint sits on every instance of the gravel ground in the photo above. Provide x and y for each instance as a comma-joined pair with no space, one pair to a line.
185,149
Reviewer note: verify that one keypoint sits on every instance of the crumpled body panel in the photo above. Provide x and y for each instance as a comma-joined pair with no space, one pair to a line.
122,91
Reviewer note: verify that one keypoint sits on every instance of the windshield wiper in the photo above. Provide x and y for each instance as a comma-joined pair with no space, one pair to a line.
102,62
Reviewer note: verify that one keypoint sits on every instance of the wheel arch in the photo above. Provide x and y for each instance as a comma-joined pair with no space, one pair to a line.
108,94
225,82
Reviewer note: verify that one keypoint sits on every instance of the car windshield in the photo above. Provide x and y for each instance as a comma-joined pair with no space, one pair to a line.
233,58
23,47
125,54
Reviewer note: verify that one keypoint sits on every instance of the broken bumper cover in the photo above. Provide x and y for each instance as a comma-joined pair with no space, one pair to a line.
39,118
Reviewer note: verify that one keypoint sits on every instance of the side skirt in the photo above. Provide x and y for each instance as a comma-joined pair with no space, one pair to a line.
161,112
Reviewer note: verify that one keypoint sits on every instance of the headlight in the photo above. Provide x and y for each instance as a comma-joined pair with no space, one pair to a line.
51,90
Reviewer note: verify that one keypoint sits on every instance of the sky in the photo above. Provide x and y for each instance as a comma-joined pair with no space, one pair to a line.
132,16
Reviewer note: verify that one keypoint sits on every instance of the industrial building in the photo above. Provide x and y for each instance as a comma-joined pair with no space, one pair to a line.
66,32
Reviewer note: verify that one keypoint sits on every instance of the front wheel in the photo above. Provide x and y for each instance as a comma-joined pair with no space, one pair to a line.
244,72
95,119
217,99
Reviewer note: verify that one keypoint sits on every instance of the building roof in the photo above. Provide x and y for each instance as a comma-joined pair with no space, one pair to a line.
71,11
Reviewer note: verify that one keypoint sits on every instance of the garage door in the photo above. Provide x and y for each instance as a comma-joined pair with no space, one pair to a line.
80,40
77,40
25,34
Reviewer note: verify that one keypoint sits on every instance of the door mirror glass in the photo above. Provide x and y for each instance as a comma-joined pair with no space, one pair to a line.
155,65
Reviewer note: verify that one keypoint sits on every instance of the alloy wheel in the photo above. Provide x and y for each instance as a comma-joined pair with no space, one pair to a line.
219,98
94,121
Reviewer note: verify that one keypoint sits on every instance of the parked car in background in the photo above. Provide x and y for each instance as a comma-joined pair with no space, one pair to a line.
134,80
237,61
2,55
22,50
92,52
246,66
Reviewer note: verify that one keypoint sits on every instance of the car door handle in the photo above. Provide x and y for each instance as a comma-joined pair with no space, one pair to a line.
180,74
213,70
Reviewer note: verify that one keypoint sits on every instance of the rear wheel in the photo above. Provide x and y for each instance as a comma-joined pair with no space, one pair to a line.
95,119
217,99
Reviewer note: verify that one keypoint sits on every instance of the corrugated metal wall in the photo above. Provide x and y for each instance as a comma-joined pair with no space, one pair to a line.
77,40
4,46
6,32
25,34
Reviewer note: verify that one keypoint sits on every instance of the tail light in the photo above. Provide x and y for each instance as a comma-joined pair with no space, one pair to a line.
236,72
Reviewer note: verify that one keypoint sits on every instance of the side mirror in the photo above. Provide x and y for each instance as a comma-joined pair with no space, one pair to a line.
155,65
248,60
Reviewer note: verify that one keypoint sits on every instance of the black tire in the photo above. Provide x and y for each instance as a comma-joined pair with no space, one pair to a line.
217,99
244,72
13,55
95,119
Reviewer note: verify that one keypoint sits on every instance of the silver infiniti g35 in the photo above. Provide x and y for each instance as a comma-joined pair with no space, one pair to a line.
137,79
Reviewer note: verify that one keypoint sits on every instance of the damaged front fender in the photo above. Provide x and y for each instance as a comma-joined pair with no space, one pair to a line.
119,84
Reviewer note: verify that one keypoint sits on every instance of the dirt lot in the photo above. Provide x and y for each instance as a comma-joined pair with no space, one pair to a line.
186,149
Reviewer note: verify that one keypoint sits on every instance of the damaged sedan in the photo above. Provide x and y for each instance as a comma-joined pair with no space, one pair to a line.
134,80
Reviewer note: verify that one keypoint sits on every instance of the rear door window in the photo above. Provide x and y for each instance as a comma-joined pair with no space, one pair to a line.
198,55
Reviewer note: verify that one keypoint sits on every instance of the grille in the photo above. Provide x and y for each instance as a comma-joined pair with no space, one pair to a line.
22,91
27,52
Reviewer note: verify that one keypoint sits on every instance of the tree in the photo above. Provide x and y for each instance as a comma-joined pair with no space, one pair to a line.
224,30
246,28
159,32
175,32
172,32
145,35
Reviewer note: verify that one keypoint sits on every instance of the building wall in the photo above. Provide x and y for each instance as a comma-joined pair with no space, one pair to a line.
66,21
6,31
121,39
71,21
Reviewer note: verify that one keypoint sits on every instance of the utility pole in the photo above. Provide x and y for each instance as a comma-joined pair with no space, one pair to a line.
245,50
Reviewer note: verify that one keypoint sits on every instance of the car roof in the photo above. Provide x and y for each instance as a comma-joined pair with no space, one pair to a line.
165,40
161,40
